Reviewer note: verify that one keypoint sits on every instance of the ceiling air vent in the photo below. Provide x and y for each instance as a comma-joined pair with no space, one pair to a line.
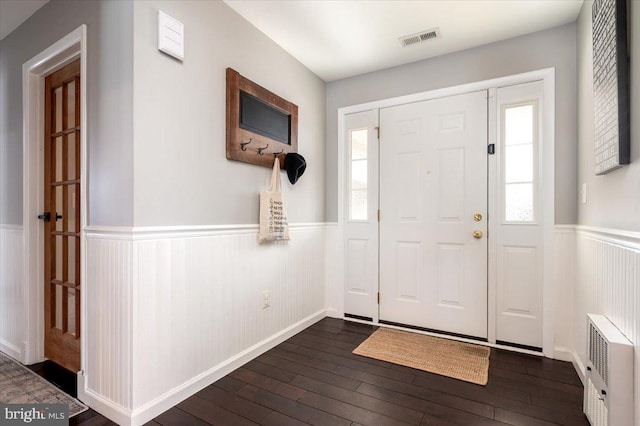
420,37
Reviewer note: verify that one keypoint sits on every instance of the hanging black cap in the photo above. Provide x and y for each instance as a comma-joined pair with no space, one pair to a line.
295,165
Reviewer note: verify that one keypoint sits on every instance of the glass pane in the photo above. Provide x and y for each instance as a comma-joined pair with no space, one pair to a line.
72,199
519,202
71,104
359,204
56,161
57,272
57,208
71,156
518,125
58,306
71,259
359,144
518,162
359,174
71,313
57,103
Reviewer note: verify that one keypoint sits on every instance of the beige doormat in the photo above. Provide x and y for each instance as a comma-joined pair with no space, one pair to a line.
446,357
19,385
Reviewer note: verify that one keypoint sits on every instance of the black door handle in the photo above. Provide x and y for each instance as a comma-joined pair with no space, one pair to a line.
46,216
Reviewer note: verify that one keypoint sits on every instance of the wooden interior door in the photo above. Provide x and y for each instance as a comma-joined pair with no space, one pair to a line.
61,216
433,208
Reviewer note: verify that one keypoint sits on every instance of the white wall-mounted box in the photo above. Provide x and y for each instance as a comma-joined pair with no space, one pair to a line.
170,35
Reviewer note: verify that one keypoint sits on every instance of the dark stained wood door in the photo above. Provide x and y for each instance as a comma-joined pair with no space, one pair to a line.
62,216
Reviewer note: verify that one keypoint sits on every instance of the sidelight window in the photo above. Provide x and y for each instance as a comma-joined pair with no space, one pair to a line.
358,179
519,131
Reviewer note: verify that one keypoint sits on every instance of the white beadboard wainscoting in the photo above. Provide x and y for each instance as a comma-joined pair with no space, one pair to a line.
598,272
171,310
12,291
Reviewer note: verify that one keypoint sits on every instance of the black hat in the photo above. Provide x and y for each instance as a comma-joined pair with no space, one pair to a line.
295,165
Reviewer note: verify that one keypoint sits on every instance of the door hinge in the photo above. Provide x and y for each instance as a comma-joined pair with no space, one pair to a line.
378,215
378,298
491,149
378,132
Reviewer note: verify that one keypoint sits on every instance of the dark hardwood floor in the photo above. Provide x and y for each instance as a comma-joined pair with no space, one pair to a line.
313,378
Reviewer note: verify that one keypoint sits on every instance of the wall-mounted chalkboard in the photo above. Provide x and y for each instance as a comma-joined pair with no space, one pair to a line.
610,85
260,124
263,119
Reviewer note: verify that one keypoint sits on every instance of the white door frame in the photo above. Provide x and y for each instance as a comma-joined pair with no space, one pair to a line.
59,54
547,75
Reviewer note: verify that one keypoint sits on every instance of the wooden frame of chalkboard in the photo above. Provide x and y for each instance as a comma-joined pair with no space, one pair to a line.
612,146
260,124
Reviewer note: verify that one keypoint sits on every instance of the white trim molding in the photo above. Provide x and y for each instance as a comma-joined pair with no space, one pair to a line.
64,51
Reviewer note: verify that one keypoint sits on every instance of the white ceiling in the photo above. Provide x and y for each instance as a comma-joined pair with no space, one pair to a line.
15,12
338,39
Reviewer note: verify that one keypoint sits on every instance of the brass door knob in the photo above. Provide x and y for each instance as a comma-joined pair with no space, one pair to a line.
477,217
477,234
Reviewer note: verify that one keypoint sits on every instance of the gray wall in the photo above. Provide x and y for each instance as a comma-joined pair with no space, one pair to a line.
613,200
110,103
551,48
181,174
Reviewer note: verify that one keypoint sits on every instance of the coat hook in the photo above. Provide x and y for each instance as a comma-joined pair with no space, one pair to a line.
275,154
262,149
243,145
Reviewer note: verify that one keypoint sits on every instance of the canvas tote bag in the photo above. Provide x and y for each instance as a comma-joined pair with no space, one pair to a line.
273,214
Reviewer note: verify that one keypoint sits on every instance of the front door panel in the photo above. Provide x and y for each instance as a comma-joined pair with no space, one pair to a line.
433,199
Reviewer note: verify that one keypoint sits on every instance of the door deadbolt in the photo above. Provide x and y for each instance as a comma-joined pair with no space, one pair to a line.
477,234
477,217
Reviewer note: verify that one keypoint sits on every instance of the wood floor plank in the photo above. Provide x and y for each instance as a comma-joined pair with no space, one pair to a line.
488,394
177,417
518,379
313,373
291,408
382,390
435,410
268,370
267,383
348,411
518,419
212,413
231,402
546,414
358,364
305,342
385,408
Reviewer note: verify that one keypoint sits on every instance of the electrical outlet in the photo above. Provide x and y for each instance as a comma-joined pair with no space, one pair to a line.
266,299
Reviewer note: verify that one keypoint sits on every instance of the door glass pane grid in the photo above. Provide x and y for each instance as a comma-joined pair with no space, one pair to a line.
65,242
358,197
519,161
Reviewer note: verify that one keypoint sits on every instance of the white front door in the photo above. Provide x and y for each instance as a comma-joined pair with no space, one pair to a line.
433,214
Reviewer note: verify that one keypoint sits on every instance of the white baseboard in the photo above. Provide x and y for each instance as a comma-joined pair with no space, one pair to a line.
579,366
333,313
156,407
10,349
113,412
